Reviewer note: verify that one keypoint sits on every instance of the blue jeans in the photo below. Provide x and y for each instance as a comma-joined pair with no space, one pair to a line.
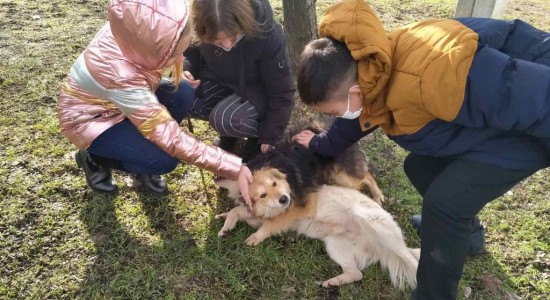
124,147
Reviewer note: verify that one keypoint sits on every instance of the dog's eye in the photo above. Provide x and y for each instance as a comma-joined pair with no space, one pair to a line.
263,195
274,183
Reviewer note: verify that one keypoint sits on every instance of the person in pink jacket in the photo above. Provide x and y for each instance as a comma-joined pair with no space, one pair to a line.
119,111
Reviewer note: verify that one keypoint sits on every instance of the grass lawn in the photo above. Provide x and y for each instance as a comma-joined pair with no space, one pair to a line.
60,240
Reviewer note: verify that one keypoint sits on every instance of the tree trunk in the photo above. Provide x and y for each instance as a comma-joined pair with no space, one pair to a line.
300,23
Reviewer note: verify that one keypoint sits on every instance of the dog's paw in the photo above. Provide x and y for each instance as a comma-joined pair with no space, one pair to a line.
330,283
221,216
227,228
378,198
254,239
224,232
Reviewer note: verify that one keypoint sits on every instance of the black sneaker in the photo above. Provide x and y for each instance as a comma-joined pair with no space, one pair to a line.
476,245
98,178
153,185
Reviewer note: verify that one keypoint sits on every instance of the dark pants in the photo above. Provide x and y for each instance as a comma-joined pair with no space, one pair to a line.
227,112
124,147
453,191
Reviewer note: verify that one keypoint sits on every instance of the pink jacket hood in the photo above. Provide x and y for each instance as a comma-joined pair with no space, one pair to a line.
147,31
115,78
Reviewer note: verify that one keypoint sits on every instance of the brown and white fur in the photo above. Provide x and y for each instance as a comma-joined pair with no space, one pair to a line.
356,230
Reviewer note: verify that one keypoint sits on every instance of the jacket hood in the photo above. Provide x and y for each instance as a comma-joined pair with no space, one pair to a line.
147,31
354,23
264,15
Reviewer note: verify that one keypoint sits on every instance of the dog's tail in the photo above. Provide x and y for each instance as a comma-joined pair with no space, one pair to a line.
386,244
402,266
401,263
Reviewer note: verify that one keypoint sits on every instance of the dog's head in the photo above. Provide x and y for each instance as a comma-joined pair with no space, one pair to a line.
270,192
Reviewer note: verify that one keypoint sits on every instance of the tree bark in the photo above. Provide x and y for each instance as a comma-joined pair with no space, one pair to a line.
300,24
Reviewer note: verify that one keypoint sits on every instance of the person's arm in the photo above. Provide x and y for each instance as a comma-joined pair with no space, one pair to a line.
153,120
278,81
192,61
191,66
508,84
341,134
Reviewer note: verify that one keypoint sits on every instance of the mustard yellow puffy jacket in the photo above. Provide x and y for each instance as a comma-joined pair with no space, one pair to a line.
409,76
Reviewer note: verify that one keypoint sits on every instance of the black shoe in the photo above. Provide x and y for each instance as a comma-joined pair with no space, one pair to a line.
153,185
228,143
477,242
476,245
415,221
98,178
251,149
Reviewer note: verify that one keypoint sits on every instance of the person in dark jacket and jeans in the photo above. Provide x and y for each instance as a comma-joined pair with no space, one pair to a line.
241,72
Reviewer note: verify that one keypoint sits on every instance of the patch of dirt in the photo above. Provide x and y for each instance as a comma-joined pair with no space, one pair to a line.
535,12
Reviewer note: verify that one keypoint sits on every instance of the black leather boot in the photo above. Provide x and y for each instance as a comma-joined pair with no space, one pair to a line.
153,185
98,178
228,143
251,149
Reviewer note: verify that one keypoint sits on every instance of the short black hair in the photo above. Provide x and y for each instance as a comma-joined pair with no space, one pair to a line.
324,67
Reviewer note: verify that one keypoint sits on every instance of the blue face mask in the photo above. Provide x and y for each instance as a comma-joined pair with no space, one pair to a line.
348,114
240,36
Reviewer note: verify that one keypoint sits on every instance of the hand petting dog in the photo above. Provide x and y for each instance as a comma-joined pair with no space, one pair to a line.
303,138
244,180
188,77
266,148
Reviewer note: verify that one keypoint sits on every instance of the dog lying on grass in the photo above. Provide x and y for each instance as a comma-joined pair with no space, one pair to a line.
289,193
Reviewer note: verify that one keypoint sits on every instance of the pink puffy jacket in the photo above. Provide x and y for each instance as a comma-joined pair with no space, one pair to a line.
116,76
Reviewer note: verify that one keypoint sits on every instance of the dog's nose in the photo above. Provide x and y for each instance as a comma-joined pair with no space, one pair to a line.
283,199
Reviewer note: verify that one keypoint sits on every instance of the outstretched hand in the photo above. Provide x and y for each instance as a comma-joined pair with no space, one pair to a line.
303,138
244,180
190,79
266,148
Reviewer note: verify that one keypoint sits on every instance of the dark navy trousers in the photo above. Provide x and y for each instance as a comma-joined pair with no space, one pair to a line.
454,191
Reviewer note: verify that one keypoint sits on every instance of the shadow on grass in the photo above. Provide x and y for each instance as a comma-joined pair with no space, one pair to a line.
486,278
126,267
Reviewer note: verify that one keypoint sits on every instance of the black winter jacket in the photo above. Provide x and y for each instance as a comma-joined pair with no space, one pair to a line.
257,69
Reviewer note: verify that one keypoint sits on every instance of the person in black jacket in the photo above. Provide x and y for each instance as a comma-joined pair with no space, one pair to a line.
241,72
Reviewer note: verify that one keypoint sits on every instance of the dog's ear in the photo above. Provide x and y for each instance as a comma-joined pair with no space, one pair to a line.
262,160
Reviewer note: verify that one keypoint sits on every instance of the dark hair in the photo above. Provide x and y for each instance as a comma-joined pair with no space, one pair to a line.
324,68
229,16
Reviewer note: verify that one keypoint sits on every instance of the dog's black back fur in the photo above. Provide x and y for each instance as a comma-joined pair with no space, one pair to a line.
304,170
353,160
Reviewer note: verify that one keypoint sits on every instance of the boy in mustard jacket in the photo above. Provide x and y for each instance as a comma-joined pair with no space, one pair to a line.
469,98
